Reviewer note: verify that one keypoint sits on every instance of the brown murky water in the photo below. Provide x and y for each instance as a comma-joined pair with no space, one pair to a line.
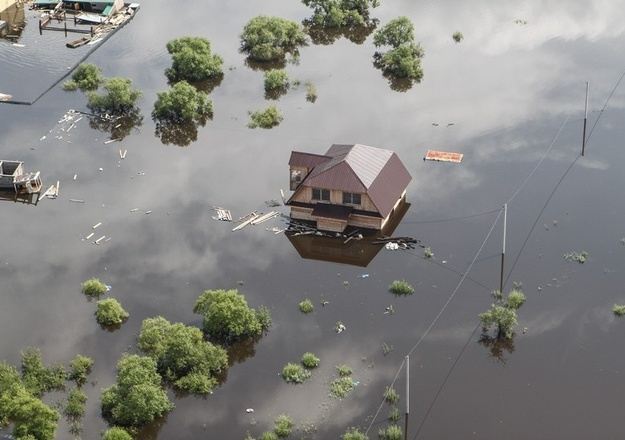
506,88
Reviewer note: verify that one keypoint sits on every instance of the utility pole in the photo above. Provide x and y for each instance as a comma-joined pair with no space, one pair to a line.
407,396
585,119
503,248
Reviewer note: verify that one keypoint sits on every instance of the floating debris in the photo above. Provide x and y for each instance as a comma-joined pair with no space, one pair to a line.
97,225
339,327
223,214
246,221
263,218
77,200
443,156
578,257
272,203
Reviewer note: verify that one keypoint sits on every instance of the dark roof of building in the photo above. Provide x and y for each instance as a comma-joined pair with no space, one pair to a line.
335,212
306,160
362,169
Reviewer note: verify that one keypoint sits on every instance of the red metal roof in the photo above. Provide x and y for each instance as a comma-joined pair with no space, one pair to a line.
306,160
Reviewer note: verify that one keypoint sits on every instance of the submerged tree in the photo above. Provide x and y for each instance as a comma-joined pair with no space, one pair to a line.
271,38
228,318
192,60
119,97
402,63
502,315
182,355
85,77
268,118
117,127
276,83
138,397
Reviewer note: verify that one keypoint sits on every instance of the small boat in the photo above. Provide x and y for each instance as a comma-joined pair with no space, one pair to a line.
77,43
13,177
4,97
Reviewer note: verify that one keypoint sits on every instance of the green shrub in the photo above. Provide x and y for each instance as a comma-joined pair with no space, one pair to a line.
340,13
36,377
137,398
502,314
618,310
310,361
393,414
516,299
294,373
276,79
120,97
311,92
427,253
268,118
457,37
343,370
578,257
391,432
271,38
80,367
283,425
401,287
269,435
341,386
93,287
306,306
390,396
116,433
354,434
110,312
85,77
182,103
227,317
182,355
75,407
192,60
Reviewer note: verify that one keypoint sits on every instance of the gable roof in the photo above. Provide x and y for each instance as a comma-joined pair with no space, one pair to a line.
359,168
306,160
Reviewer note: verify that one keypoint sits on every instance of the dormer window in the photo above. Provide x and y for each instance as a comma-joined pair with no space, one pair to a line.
351,198
321,194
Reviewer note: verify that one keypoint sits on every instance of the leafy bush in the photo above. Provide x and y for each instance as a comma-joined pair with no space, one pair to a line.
80,367
401,287
75,407
283,425
503,314
85,77
182,103
343,370
339,13
120,97
36,377
341,386
395,33
269,435
393,414
619,310
391,432
268,118
354,434
578,257
276,79
310,361
427,253
116,433
390,395
137,398
93,287
311,92
30,417
294,373
227,317
306,306
182,355
271,38
457,37
110,312
192,60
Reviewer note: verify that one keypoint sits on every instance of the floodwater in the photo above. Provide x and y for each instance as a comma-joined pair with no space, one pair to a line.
507,89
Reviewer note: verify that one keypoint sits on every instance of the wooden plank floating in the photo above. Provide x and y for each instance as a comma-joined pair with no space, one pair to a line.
265,217
443,156
253,216
222,214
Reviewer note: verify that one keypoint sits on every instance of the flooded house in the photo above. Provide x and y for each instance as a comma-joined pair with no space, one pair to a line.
102,7
350,185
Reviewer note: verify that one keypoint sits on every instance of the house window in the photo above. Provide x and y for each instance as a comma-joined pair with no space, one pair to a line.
351,198
321,194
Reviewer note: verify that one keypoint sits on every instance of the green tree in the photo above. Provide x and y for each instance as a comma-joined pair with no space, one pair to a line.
271,38
502,314
339,13
276,80
85,77
36,377
137,398
227,316
110,312
93,287
80,367
182,355
192,60
395,33
182,103
116,433
120,97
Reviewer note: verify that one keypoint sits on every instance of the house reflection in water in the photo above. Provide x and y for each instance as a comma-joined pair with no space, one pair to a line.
25,198
355,252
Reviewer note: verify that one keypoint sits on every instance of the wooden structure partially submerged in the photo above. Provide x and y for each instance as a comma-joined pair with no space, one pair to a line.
13,177
349,185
